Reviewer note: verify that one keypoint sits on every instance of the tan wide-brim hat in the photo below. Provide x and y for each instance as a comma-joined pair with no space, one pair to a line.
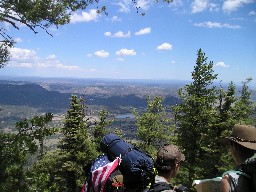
244,135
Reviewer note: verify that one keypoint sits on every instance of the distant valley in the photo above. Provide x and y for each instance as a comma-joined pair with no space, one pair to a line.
24,99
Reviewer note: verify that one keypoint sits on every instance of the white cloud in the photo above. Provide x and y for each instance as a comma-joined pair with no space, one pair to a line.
221,64
53,62
210,24
19,65
101,53
165,46
199,5
49,57
89,55
22,54
173,62
213,7
120,59
252,13
143,31
17,40
233,5
92,15
108,34
115,18
124,6
25,58
125,52
176,3
68,67
143,4
13,17
92,70
121,34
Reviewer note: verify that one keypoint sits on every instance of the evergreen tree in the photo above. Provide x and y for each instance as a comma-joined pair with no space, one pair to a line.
46,175
195,117
36,130
204,116
153,126
244,106
17,149
13,163
232,109
99,129
224,122
77,148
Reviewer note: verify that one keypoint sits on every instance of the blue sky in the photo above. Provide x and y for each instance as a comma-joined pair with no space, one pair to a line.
162,44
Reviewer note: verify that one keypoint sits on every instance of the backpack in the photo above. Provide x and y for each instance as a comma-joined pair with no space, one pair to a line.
243,178
239,181
136,166
127,161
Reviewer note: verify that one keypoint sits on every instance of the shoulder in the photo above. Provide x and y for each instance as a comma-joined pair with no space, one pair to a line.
235,180
225,183
159,179
163,186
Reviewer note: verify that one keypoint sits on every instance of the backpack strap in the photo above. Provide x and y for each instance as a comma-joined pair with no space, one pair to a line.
236,172
234,176
161,186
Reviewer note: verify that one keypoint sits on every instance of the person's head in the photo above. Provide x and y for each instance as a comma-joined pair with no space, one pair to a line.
168,160
243,142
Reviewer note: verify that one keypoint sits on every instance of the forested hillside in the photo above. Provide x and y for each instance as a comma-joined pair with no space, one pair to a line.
34,95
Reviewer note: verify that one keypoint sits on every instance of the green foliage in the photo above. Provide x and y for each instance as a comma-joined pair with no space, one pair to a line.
16,150
45,175
244,106
195,118
36,130
4,52
13,161
99,130
153,126
203,117
77,149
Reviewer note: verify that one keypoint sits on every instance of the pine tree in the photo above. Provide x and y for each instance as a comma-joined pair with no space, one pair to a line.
77,148
36,130
244,106
195,117
13,163
99,129
153,126
204,116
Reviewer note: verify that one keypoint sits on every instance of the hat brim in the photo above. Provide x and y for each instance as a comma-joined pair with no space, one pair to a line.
226,140
247,144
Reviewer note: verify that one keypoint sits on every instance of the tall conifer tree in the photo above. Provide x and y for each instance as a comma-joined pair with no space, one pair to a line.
153,126
195,117
77,147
